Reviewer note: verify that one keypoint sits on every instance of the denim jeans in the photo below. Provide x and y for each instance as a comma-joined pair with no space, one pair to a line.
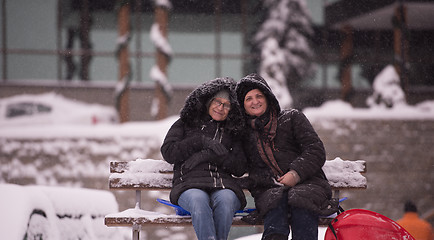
211,214
304,223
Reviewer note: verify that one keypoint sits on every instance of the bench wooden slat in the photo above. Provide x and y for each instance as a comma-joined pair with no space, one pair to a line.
142,181
149,174
175,220
128,221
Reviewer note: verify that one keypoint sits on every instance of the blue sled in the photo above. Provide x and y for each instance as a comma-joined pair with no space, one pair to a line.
182,212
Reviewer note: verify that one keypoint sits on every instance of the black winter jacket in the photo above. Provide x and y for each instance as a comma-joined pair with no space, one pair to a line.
296,147
184,141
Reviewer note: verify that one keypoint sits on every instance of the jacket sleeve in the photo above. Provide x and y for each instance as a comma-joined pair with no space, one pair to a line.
312,153
177,147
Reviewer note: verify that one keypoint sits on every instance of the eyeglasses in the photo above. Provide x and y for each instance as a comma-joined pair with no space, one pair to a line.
217,103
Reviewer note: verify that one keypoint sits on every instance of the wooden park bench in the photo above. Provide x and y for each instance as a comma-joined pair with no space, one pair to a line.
149,174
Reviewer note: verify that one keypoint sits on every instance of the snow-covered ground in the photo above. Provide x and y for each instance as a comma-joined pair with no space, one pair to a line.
342,110
43,212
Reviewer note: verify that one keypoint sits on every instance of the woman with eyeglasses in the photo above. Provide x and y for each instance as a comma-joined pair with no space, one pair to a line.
204,145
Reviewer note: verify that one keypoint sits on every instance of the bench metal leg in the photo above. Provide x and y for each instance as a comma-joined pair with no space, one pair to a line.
139,199
336,193
136,232
136,228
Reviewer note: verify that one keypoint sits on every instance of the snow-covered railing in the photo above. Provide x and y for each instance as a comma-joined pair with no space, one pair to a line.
151,174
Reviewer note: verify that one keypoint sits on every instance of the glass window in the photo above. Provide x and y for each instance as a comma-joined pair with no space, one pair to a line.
23,66
31,24
232,68
191,71
192,43
326,76
231,43
358,81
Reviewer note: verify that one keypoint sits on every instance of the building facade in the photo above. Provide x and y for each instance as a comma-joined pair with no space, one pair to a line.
58,44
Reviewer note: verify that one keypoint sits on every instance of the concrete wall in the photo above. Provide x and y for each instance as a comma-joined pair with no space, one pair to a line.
399,156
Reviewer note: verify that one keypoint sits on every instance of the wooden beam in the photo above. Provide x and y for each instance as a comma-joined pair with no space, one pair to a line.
400,45
346,61
161,18
124,68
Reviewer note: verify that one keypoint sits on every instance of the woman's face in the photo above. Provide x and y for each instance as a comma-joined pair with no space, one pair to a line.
255,103
219,109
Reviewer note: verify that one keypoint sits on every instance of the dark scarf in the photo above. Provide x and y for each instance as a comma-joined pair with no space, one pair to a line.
265,130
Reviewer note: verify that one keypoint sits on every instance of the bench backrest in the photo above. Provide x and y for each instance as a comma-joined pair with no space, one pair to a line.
157,174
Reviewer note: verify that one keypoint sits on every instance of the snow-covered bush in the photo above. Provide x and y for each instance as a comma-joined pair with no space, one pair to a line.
283,42
387,89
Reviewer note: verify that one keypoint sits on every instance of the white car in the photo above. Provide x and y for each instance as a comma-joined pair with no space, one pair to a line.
52,108
42,212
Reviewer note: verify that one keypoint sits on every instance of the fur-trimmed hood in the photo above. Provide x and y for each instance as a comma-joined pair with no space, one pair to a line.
195,109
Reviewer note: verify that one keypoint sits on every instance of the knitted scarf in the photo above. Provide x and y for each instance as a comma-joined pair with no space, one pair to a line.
265,130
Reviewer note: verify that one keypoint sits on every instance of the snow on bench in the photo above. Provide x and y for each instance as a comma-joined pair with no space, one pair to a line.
151,174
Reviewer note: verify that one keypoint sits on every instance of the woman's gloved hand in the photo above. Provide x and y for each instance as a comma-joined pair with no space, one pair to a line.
196,159
218,148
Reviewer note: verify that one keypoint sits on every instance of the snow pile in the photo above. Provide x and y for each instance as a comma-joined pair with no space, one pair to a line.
342,173
137,213
338,109
17,203
56,213
387,89
76,201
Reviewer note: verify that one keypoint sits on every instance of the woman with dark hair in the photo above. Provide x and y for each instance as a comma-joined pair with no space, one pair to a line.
285,158
205,147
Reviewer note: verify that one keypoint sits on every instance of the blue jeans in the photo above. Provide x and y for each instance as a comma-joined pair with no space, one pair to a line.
304,223
211,214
